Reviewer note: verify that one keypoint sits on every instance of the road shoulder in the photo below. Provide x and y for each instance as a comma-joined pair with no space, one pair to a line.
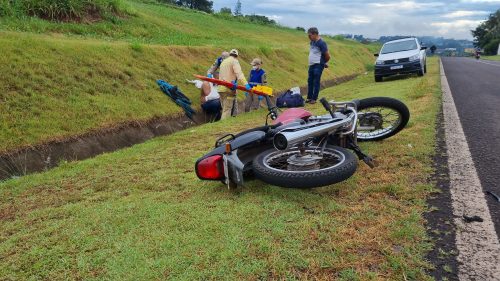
439,218
477,242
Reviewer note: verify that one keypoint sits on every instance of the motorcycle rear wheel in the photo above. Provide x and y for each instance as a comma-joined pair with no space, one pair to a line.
273,166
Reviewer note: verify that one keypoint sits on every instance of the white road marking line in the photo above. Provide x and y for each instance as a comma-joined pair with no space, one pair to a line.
477,242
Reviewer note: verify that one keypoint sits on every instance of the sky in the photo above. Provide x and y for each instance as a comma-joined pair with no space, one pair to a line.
449,19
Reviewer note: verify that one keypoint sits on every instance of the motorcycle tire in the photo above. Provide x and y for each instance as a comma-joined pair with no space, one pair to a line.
389,103
326,174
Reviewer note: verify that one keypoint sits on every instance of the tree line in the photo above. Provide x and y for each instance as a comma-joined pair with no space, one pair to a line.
201,5
487,34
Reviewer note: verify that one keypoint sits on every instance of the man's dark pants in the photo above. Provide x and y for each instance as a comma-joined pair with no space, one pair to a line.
313,83
213,107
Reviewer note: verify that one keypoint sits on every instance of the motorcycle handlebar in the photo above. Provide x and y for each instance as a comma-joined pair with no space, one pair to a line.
327,106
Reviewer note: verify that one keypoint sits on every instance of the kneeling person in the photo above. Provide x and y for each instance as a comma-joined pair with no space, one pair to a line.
210,99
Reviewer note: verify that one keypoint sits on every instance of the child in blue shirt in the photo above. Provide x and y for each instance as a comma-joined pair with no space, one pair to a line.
257,77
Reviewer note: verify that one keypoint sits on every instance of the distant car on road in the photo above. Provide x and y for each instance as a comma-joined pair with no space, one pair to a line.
403,56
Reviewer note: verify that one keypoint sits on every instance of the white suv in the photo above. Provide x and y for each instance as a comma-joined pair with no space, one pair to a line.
404,56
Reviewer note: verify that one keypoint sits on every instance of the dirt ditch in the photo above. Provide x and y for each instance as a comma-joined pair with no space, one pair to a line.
440,227
48,155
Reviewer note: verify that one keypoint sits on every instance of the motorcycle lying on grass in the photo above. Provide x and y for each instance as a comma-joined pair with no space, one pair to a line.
299,150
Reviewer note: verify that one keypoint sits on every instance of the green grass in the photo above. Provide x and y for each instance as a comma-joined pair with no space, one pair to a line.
168,25
497,58
141,213
53,87
61,79
63,10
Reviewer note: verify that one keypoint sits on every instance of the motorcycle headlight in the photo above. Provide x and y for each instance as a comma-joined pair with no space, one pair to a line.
379,62
414,58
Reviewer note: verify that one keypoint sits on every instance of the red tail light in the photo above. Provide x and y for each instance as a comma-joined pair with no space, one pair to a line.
210,168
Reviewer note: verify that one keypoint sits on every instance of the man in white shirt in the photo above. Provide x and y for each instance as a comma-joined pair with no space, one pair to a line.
209,98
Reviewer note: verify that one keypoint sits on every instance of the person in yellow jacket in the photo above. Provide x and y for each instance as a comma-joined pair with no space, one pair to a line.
230,70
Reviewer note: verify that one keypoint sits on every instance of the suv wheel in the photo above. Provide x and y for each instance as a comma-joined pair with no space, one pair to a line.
422,70
378,78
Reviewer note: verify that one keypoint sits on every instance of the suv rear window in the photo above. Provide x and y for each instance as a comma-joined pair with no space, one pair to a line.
399,46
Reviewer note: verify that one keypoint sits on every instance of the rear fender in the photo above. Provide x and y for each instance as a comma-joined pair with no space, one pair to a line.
233,168
239,142
233,165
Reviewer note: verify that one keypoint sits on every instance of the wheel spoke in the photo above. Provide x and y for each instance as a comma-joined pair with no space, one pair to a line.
390,120
279,159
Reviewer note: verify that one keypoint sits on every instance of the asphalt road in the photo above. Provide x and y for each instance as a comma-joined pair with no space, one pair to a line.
475,86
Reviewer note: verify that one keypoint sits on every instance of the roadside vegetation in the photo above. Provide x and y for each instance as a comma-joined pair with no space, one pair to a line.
141,213
497,58
65,10
487,34
64,78
154,23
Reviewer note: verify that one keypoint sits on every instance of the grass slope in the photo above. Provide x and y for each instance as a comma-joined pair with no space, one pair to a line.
64,10
64,79
497,58
141,213
168,25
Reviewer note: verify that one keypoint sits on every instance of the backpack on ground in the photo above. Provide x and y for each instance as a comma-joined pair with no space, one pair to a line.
290,98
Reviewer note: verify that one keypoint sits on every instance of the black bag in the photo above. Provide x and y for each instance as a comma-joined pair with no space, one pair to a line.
290,99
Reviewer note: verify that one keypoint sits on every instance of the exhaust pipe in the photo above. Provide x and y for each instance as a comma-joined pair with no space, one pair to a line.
291,136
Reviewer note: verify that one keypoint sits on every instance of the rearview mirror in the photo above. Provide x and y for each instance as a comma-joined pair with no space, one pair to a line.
375,55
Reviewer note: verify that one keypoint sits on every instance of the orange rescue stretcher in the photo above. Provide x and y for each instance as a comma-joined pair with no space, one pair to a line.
258,90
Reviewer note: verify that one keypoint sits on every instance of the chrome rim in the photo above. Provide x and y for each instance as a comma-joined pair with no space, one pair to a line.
391,119
279,160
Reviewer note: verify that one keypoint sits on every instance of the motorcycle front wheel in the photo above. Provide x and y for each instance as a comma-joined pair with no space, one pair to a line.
309,168
380,118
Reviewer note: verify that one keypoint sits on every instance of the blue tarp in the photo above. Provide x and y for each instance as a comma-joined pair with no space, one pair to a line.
177,96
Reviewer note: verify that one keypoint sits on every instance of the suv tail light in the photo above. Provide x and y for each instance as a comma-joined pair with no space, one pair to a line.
210,168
